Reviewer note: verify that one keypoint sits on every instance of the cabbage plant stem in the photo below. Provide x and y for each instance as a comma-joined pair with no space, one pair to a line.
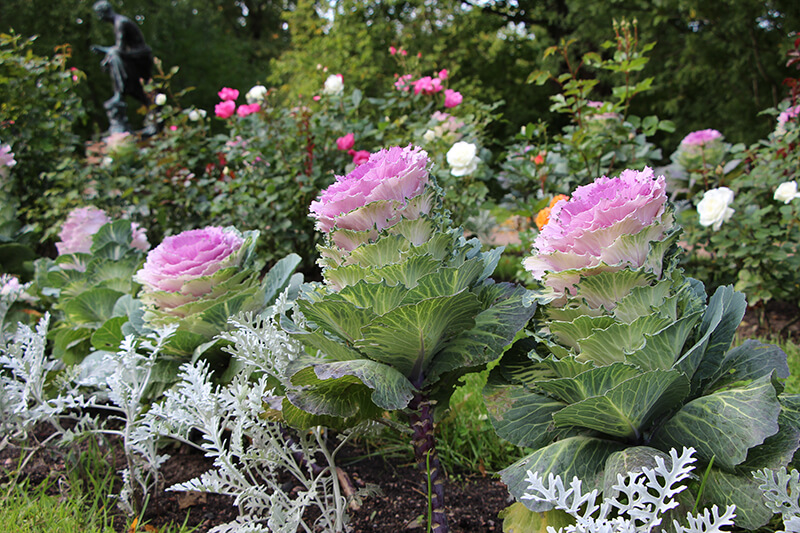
421,420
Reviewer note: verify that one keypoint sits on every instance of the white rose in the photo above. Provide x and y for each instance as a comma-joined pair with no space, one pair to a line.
462,158
256,94
333,85
197,114
713,208
161,99
786,192
429,135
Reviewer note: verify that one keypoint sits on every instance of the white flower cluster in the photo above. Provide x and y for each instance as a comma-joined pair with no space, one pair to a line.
638,504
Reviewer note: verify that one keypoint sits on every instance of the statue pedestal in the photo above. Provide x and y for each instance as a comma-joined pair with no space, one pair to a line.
117,113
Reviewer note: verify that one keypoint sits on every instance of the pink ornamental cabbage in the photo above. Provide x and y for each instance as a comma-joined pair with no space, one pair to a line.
228,94
701,138
180,263
605,226
81,225
452,98
374,196
76,233
225,109
346,142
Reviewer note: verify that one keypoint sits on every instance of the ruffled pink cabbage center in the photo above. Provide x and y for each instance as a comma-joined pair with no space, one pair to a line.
585,230
186,256
396,174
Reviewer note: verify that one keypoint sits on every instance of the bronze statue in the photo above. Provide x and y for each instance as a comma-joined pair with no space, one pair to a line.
128,61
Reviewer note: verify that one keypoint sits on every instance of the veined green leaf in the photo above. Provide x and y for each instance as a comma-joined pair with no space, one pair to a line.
338,316
445,282
408,273
109,335
592,382
71,345
726,488
604,287
642,301
92,307
584,457
317,340
379,297
390,389
724,425
570,333
612,344
663,348
387,250
278,277
408,336
520,416
494,329
733,307
750,360
117,232
628,409
344,397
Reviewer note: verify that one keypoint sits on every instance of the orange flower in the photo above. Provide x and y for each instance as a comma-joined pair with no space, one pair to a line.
543,216
539,159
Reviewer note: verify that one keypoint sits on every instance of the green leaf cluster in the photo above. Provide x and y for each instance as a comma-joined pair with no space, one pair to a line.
94,293
404,318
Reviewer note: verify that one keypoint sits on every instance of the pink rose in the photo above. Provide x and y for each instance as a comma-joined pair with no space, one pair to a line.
346,142
452,98
360,157
423,85
443,74
248,109
225,109
701,137
392,50
375,195
228,94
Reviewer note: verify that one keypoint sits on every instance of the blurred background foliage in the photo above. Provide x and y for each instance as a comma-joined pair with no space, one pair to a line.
716,64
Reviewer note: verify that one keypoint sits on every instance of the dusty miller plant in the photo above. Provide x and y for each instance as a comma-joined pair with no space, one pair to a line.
636,505
25,371
250,452
781,491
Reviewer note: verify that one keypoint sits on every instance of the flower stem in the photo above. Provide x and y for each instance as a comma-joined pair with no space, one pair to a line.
421,420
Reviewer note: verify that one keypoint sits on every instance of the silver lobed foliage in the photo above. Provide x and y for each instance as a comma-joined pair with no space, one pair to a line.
637,505
250,451
781,491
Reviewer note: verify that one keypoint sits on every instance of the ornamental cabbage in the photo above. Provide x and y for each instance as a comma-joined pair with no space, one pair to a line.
407,307
198,279
627,359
